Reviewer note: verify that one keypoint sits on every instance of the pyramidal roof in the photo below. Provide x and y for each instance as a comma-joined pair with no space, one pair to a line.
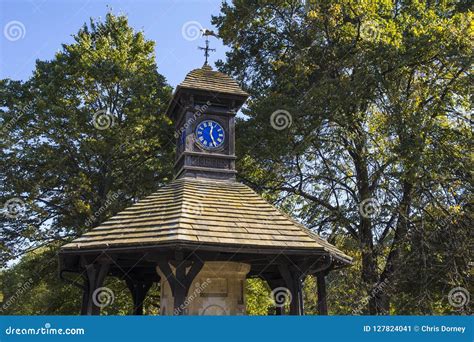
205,212
207,79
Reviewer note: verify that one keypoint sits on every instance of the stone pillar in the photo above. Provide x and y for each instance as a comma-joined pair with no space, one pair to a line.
218,289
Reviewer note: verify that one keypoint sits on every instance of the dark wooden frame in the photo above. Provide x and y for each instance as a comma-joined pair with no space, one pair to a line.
138,269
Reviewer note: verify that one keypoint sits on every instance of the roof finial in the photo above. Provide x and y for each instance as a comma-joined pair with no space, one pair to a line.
206,49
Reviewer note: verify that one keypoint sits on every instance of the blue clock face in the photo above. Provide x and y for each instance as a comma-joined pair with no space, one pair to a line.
210,135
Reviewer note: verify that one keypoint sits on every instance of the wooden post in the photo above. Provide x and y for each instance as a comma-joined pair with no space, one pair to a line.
274,284
301,295
96,274
292,280
322,300
279,310
139,290
180,290
85,296
297,301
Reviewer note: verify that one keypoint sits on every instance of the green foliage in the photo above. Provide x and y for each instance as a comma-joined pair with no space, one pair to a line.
32,287
84,137
258,297
378,99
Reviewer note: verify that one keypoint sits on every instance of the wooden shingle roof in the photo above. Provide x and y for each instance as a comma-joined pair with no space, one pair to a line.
207,79
203,212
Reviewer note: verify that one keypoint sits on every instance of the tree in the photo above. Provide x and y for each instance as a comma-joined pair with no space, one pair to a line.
83,138
358,120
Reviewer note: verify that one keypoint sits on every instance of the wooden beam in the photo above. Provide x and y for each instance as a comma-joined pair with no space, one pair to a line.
211,248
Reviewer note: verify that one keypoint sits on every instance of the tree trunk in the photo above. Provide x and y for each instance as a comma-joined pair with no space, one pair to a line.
369,273
369,269
401,236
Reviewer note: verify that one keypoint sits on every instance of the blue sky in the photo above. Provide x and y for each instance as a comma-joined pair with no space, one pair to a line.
35,29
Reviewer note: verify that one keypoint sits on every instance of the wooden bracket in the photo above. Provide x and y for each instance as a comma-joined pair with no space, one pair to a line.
180,281
139,290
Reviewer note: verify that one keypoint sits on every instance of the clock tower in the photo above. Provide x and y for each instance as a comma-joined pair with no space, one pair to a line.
203,234
203,109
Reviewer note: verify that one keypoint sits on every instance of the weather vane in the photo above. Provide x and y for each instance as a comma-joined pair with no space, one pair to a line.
206,49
